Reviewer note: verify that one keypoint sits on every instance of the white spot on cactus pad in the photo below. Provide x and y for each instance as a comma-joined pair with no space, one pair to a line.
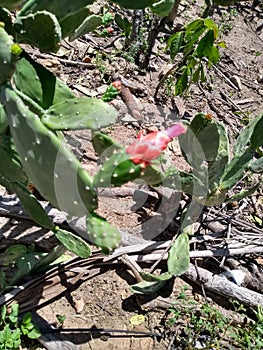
115,175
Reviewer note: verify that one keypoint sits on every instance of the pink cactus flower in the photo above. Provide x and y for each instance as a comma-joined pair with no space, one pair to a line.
148,147
116,84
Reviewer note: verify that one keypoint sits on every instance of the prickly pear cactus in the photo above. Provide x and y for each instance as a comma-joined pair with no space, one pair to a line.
52,168
117,170
73,243
3,120
162,8
102,233
88,25
10,167
106,147
60,9
79,113
28,29
32,205
205,146
39,84
9,53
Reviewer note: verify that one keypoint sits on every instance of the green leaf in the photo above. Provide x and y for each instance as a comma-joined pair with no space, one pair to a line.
214,55
193,27
27,318
181,83
178,257
70,22
184,181
192,40
13,316
3,313
196,74
73,243
34,333
174,44
145,287
205,45
209,23
149,277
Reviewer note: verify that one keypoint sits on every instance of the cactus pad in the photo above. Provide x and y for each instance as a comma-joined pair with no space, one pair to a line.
52,168
79,113
8,58
38,83
30,30
117,170
101,233
73,243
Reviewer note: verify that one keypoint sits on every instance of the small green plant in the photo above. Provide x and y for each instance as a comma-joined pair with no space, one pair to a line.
197,43
61,319
205,324
14,329
226,21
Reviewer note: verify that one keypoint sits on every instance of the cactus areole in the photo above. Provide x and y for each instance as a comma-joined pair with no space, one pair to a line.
148,147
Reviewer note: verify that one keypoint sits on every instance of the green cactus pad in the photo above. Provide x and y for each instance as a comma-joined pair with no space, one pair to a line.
3,120
131,4
39,84
162,8
72,21
32,205
104,145
102,233
117,170
257,135
8,58
244,138
73,243
30,30
79,113
178,257
10,168
185,182
88,25
52,168
235,169
60,9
